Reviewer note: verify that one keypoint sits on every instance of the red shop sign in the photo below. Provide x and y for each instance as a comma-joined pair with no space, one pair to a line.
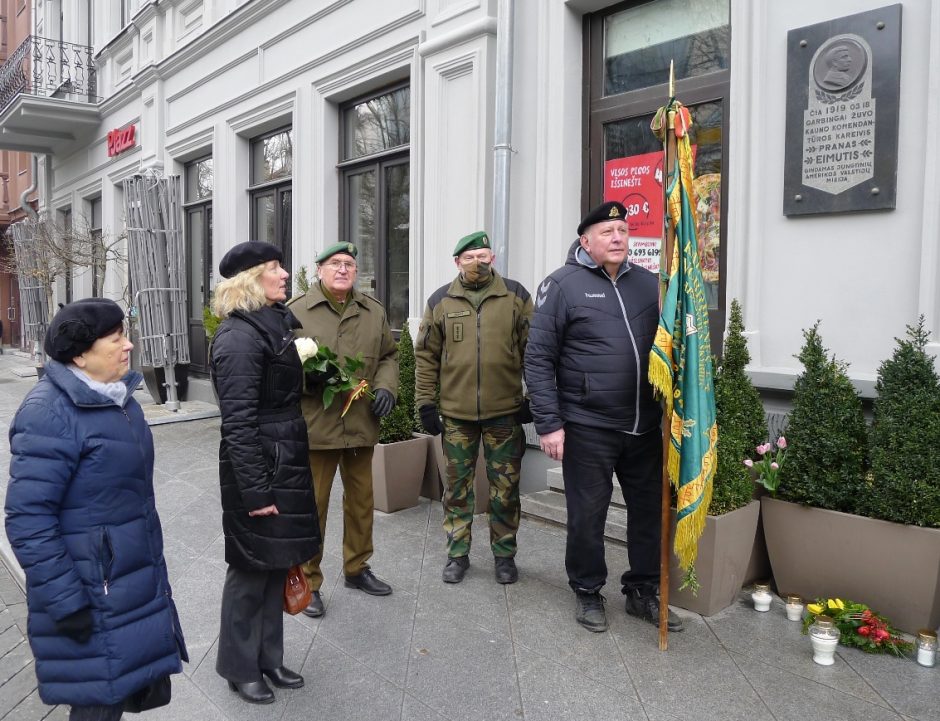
121,139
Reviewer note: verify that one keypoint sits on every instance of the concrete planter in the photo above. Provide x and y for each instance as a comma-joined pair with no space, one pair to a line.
431,485
481,486
397,473
724,551
891,567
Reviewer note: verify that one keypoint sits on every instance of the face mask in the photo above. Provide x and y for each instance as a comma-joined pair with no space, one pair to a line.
477,272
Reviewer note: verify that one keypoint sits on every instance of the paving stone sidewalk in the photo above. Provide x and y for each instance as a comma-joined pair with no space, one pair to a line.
472,651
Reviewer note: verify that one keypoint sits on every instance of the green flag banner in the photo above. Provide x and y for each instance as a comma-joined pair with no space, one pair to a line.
680,361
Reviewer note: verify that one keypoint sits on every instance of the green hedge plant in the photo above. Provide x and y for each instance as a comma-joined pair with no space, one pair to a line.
904,483
399,424
826,435
740,417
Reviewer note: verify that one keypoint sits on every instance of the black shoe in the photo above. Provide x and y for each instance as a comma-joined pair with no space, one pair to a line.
315,608
366,581
644,603
506,571
283,677
590,612
455,569
253,691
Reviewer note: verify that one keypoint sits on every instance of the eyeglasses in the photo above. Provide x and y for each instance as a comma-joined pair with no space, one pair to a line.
335,265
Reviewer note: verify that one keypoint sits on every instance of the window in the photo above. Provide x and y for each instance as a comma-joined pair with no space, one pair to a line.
98,259
630,48
270,191
375,194
198,209
65,228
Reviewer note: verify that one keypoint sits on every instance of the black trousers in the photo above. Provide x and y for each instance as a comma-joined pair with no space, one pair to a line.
251,636
591,456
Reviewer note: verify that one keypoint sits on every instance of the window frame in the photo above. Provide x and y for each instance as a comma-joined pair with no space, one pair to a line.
276,189
191,208
378,162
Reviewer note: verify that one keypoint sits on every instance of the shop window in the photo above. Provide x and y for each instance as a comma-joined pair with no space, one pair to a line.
98,253
375,194
630,47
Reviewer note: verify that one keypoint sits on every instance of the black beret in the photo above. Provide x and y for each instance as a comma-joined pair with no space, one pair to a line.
611,210
347,248
76,327
247,255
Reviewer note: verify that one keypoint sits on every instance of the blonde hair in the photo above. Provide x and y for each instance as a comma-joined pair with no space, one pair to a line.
242,291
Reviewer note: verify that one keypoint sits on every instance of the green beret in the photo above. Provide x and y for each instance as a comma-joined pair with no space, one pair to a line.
611,210
347,248
472,242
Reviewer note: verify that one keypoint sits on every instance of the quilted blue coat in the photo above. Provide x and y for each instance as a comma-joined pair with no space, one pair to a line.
80,516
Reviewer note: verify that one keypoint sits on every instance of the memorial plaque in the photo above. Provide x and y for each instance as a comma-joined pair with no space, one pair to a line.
843,80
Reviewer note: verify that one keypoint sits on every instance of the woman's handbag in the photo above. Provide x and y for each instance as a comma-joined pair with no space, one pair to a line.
296,591
149,697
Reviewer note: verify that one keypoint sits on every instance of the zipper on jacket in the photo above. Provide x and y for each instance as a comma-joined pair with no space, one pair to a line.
636,355
479,363
106,569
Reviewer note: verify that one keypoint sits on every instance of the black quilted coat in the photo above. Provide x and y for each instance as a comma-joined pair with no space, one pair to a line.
263,454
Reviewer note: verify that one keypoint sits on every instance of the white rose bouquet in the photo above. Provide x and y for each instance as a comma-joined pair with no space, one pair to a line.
337,377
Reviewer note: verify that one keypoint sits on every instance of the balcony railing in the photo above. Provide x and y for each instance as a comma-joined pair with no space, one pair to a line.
46,67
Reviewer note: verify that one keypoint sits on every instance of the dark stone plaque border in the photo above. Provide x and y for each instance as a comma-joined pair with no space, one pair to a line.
881,29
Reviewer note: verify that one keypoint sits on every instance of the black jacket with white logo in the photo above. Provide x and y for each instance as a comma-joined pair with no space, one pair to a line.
587,360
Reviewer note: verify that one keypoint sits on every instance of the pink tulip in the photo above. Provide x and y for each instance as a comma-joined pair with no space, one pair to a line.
749,463
781,442
774,465
763,448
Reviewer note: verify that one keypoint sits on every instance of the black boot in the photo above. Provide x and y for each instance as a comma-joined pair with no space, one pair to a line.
590,611
455,569
643,602
253,691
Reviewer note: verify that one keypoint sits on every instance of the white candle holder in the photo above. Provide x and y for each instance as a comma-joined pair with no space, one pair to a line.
761,597
824,636
794,608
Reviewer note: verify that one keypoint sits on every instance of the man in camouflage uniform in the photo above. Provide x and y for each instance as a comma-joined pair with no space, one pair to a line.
470,348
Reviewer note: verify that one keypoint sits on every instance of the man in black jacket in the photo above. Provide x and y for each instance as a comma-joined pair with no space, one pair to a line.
586,367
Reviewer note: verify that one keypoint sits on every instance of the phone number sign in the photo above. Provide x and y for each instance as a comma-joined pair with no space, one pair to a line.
637,183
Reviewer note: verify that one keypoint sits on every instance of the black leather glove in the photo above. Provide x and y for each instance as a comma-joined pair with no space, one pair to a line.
77,625
383,403
524,414
431,420
315,380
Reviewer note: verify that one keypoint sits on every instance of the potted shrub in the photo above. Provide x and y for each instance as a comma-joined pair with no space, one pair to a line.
727,543
399,460
826,533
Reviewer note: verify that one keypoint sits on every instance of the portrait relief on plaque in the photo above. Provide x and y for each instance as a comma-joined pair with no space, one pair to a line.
839,124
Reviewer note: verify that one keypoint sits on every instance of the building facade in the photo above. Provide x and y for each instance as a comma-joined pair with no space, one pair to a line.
304,123
16,176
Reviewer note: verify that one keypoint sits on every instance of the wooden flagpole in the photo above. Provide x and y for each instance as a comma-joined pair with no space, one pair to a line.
665,256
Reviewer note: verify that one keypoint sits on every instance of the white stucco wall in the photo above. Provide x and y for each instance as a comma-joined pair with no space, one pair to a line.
249,67
865,275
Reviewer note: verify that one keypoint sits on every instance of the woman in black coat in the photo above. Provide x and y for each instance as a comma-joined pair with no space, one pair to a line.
269,514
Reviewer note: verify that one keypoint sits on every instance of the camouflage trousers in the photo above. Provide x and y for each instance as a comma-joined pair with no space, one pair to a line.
503,446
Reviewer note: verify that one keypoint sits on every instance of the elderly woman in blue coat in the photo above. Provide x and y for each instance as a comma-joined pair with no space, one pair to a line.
269,514
81,519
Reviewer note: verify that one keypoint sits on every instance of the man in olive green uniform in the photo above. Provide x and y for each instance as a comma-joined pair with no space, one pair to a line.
470,345
348,322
